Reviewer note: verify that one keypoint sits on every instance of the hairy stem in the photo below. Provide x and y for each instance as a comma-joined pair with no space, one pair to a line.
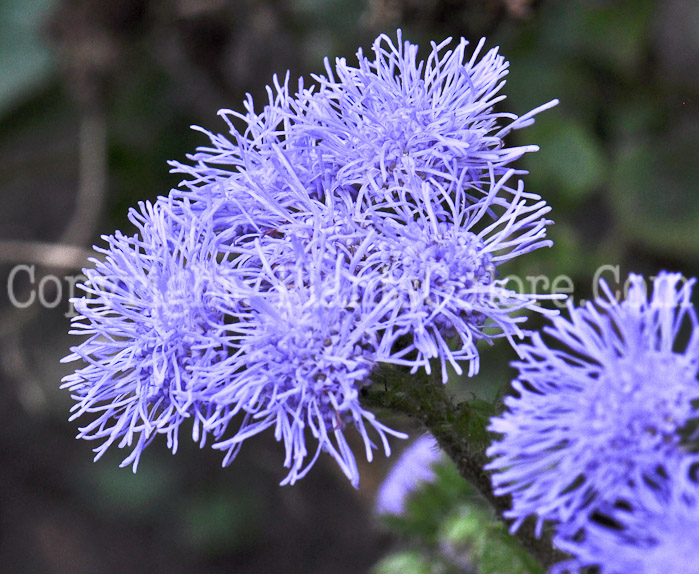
460,432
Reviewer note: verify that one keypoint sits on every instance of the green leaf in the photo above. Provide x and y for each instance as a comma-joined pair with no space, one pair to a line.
571,162
654,190
472,531
431,502
405,562
607,34
24,60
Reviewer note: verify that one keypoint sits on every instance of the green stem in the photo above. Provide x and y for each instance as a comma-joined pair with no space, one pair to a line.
460,432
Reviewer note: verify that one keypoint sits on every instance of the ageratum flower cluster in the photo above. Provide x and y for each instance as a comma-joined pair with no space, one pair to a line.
356,222
598,440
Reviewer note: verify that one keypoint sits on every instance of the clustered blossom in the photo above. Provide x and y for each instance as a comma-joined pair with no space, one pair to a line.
597,433
360,221
302,364
441,275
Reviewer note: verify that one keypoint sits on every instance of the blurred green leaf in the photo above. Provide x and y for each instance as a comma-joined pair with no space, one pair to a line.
452,525
654,191
473,532
610,35
405,562
219,522
615,33
25,62
431,503
571,159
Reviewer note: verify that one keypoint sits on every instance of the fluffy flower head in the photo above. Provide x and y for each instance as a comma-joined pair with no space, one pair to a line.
356,222
441,276
306,351
408,150
653,529
600,408
396,119
154,314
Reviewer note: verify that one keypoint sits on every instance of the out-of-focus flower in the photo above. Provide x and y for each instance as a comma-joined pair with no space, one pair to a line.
653,528
413,468
601,405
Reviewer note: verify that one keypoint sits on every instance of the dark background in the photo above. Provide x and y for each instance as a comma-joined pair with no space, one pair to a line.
96,96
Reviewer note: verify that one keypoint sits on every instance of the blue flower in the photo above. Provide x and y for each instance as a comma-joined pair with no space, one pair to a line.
653,528
444,217
413,468
396,121
155,313
306,351
372,133
264,166
441,275
600,405
322,237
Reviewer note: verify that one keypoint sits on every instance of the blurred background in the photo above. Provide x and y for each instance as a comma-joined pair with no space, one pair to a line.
96,96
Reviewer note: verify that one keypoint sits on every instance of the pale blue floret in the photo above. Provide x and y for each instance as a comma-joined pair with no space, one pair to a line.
398,121
441,276
306,351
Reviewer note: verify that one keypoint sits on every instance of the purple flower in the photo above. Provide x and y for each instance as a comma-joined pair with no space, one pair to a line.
354,223
264,170
441,275
396,121
413,468
653,528
369,137
314,163
155,313
306,351
600,405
